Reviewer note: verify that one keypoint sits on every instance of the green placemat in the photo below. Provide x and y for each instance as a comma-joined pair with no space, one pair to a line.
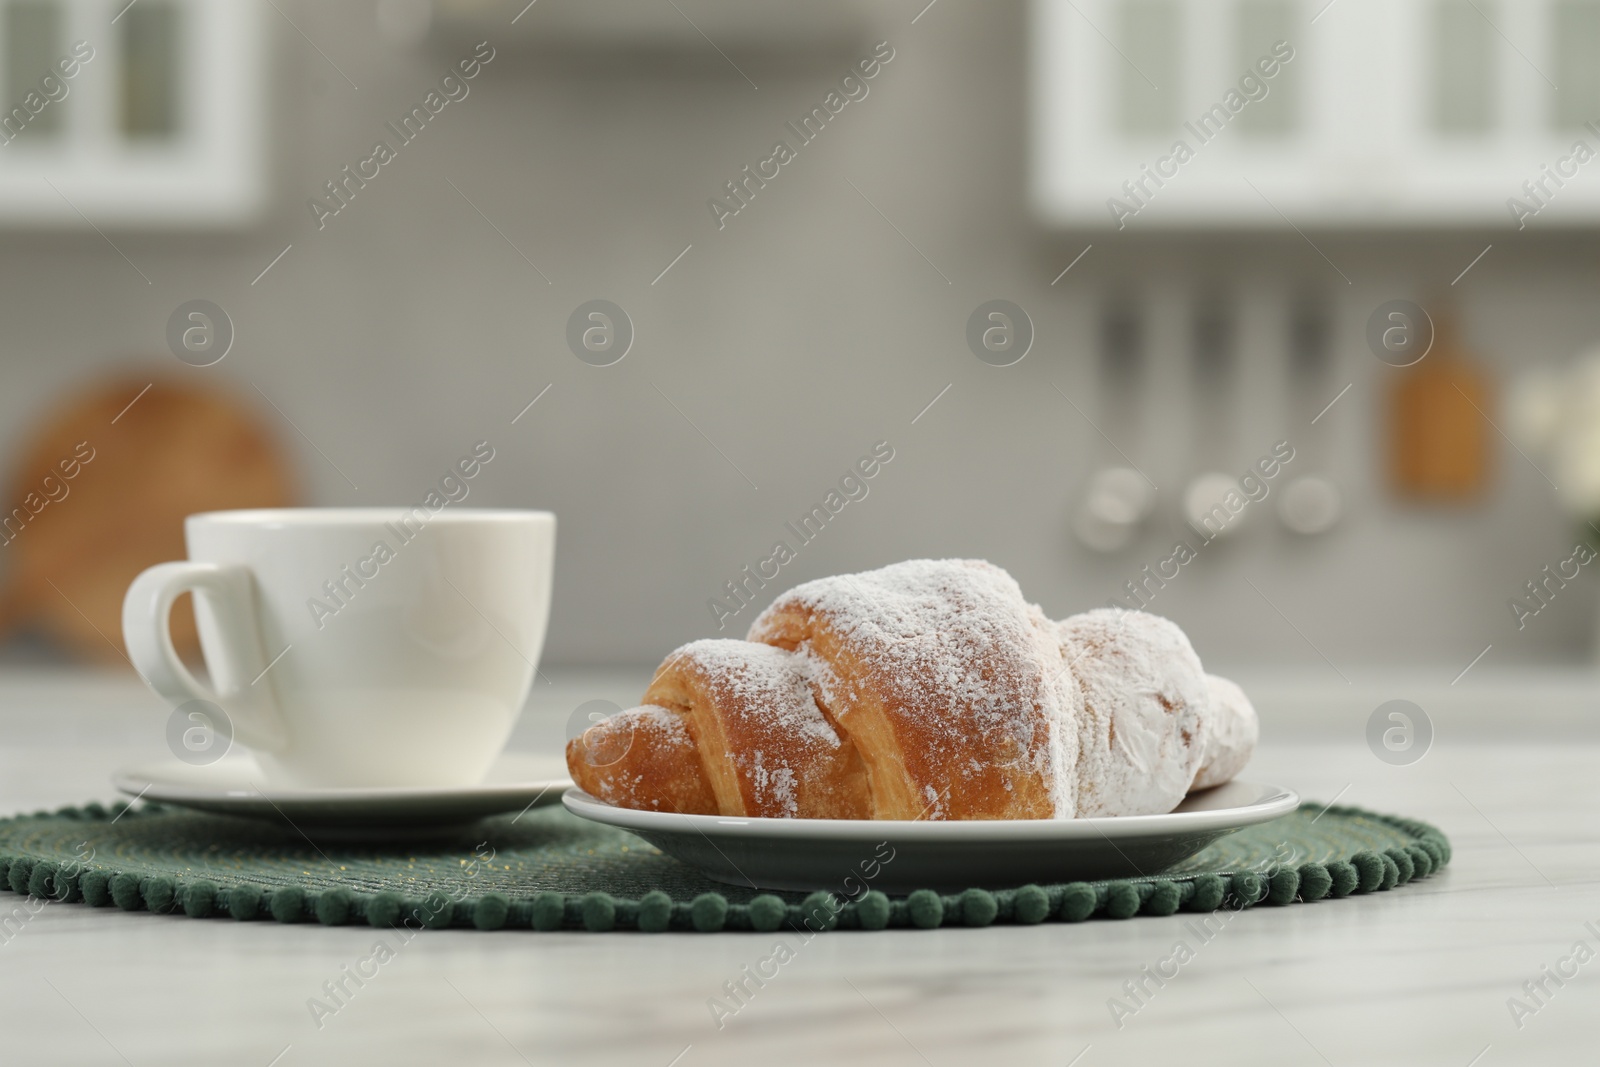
548,870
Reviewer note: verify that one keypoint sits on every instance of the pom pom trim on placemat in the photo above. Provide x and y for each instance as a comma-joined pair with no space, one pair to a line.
104,885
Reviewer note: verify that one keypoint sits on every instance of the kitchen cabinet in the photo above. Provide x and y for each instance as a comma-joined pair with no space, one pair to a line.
1173,114
131,114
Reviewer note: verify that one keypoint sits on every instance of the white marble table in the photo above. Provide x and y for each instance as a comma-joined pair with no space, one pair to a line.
1420,975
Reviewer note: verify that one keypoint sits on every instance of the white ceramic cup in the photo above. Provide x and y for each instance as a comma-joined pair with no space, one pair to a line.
356,646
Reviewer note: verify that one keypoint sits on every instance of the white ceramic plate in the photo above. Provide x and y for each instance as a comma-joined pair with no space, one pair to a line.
899,856
234,785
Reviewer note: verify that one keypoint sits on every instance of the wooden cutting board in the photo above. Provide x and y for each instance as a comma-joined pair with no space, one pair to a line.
1439,429
99,490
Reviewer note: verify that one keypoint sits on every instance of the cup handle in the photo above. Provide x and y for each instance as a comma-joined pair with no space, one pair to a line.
227,595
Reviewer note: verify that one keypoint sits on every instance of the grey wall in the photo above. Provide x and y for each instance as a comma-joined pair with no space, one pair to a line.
798,336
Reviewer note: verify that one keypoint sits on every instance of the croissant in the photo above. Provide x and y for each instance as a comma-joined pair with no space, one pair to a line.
1142,732
1231,735
929,689
766,746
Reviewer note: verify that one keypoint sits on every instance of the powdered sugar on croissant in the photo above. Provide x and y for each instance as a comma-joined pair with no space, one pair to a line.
1231,733
1145,704
948,682
644,758
766,748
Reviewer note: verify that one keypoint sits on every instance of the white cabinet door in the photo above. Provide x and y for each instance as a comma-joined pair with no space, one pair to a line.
1267,113
141,114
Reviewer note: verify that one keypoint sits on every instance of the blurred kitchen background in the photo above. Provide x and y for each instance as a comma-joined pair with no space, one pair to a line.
774,347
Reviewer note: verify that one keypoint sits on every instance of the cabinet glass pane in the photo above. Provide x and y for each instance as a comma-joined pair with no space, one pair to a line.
1263,23
1463,66
1150,69
150,62
1575,43
35,39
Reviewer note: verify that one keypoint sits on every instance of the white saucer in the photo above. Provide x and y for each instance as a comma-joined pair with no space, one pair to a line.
843,855
235,785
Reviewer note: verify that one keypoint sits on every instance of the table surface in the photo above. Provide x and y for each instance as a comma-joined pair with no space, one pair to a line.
1421,975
